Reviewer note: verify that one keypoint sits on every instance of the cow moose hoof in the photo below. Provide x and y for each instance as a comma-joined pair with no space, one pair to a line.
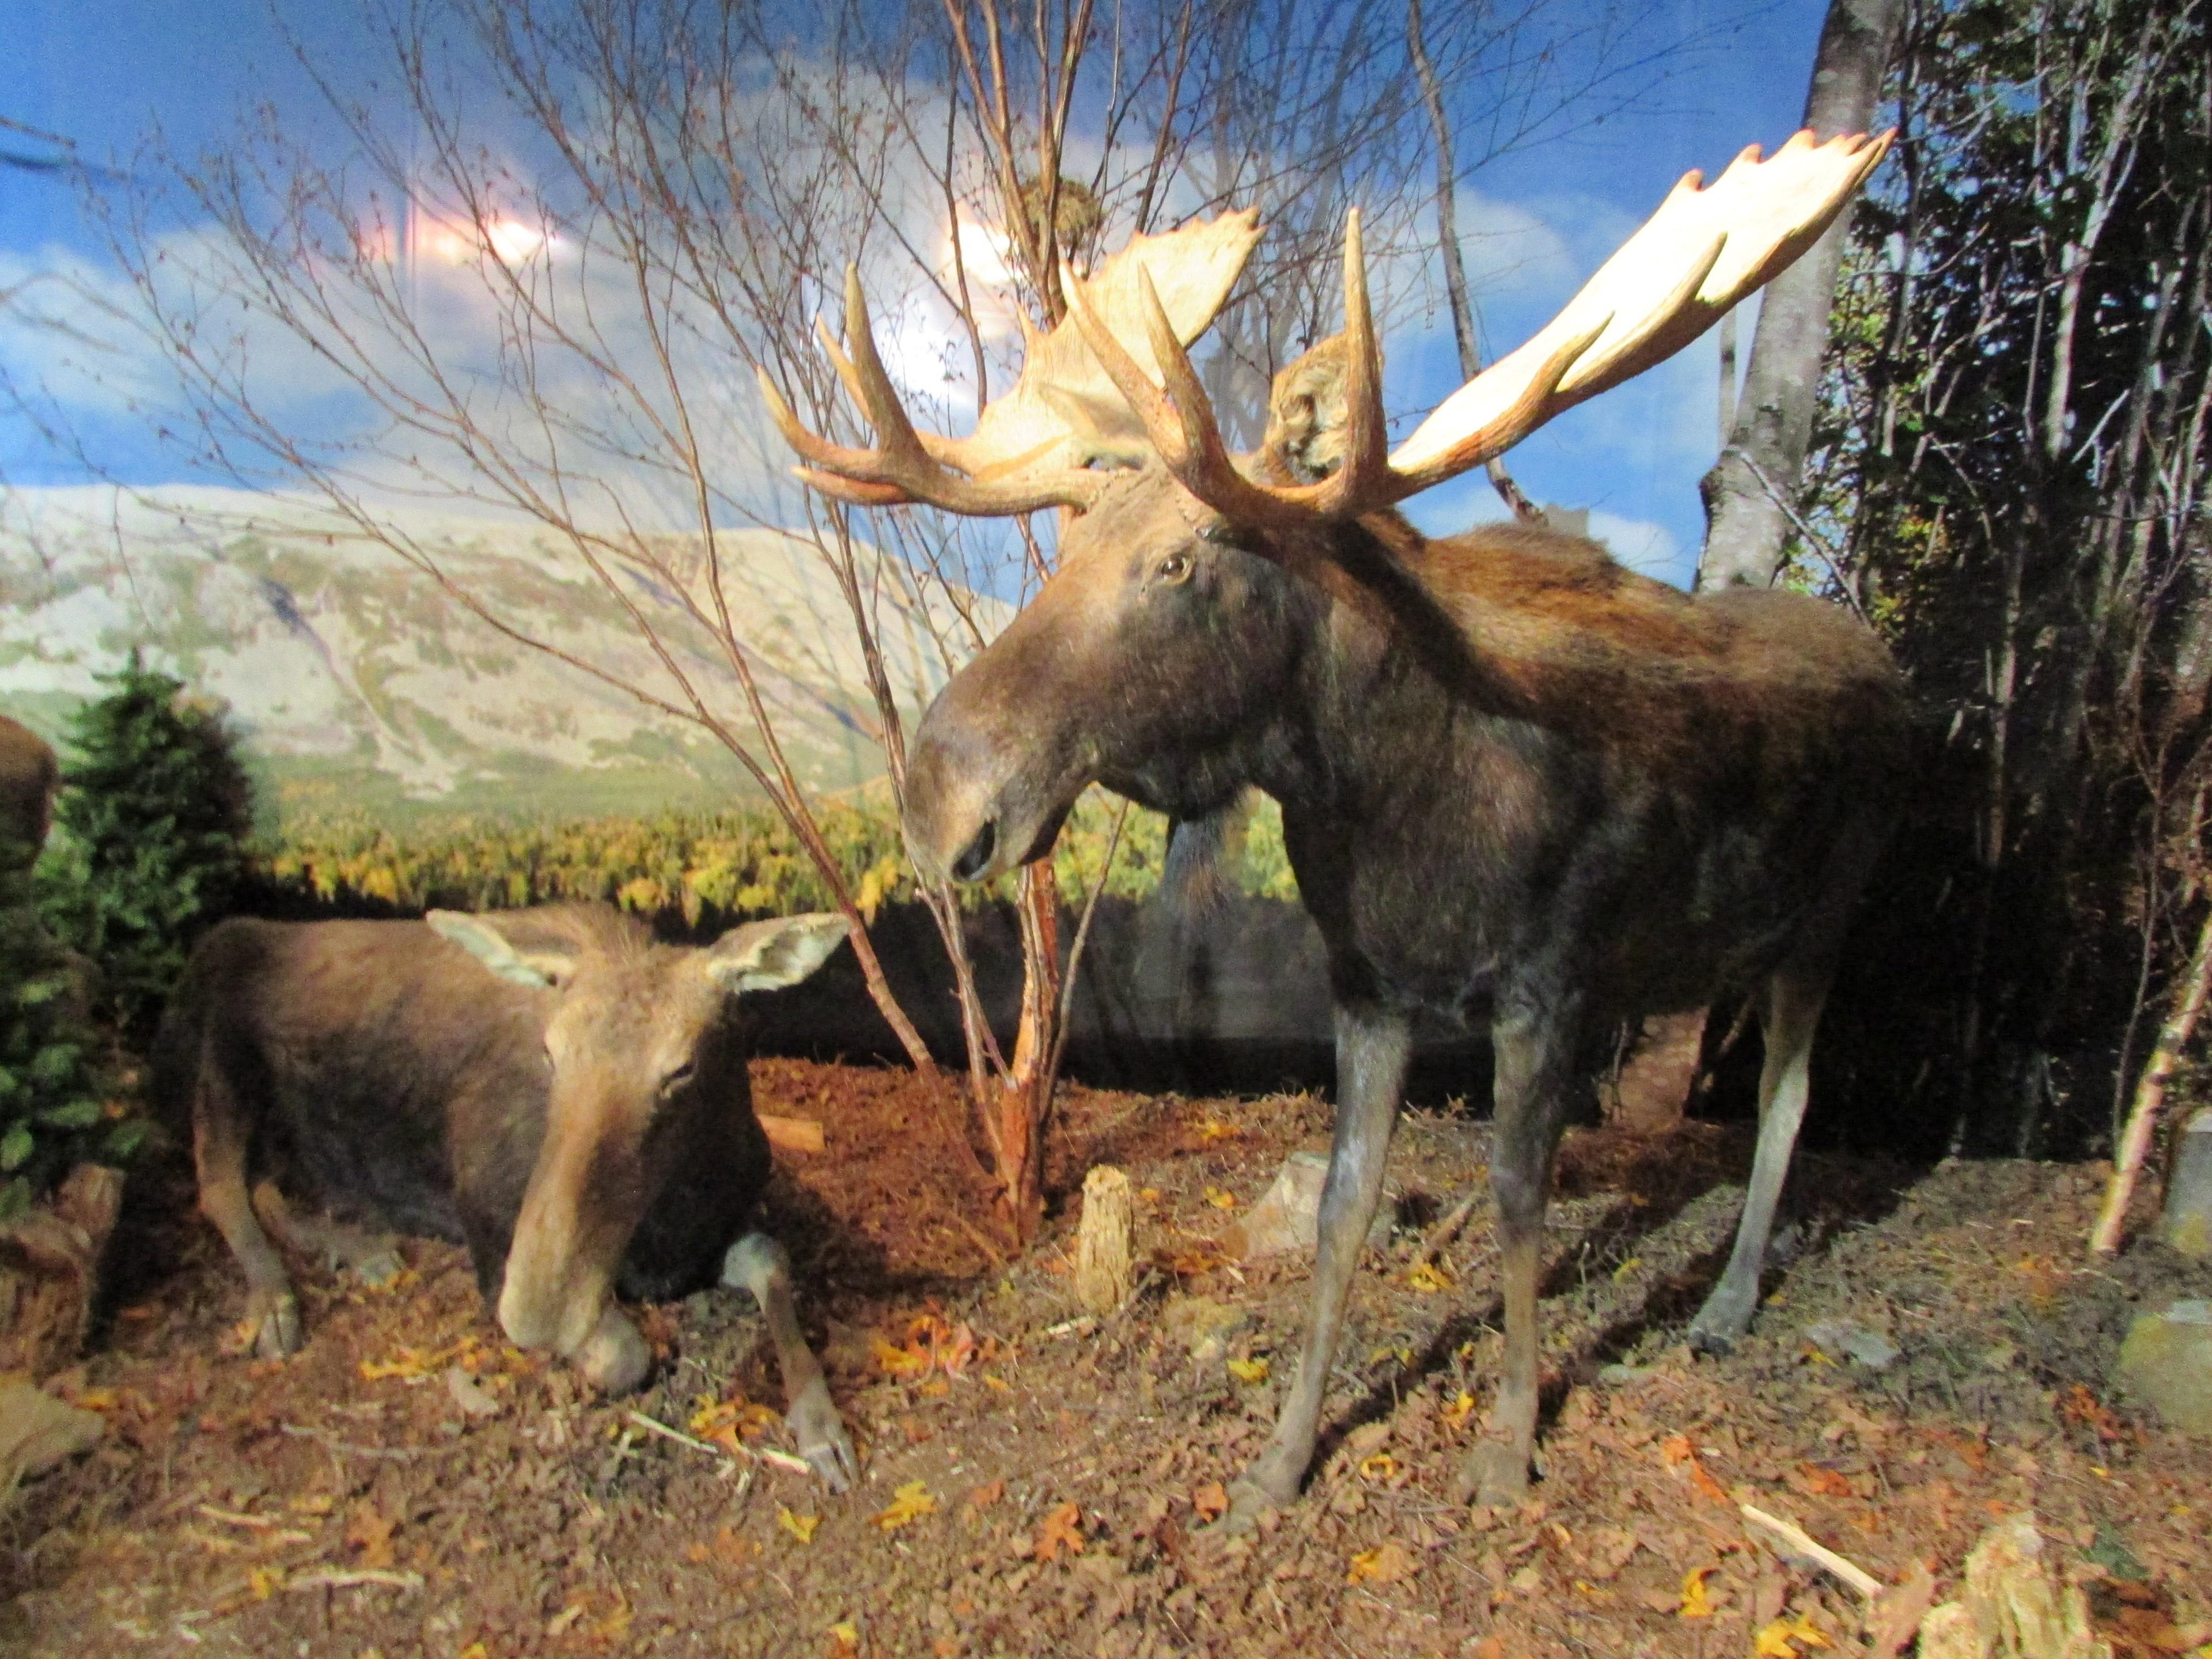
1722,1320
1495,1476
614,1358
822,1439
1247,1501
274,1316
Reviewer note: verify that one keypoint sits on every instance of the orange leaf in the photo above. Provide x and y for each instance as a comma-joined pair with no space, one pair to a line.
370,1530
1385,1564
909,1502
1062,1529
1209,1500
1823,1482
982,1496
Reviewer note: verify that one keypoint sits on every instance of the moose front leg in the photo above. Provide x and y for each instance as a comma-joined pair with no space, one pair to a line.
1370,1074
757,1264
1530,1093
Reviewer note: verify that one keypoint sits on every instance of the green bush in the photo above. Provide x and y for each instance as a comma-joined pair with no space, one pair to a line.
51,1089
151,823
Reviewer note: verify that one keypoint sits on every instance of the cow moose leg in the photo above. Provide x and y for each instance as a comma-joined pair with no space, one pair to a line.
372,1260
1533,1063
1787,1020
758,1265
1370,1072
219,1143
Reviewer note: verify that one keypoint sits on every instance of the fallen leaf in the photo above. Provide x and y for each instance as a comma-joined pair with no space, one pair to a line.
1627,1268
846,1636
982,1496
1694,1604
909,1503
1219,1199
1427,1277
898,1362
1773,1641
469,1395
1249,1370
1386,1564
370,1531
997,1384
1823,1482
1380,1466
1062,1529
801,1527
1214,1129
1209,1500
1455,1414
265,1581
413,1364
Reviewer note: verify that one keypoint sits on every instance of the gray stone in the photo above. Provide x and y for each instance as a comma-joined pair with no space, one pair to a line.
2166,1363
1202,1325
1287,1220
1859,1343
2188,1220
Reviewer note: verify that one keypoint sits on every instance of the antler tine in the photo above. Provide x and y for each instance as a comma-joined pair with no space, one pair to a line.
895,433
1363,481
903,468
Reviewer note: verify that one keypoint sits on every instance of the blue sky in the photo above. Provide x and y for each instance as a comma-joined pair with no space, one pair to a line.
103,71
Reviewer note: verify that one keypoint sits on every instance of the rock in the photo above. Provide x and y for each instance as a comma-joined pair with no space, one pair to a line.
1287,1218
1623,1377
1202,1325
1106,1246
469,1395
2188,1219
50,1264
2167,1362
37,1431
1858,1343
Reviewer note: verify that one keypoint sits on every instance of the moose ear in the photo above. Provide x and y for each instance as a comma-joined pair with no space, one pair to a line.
1306,414
546,962
763,956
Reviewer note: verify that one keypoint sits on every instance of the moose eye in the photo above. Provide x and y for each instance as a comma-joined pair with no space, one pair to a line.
1175,568
677,1078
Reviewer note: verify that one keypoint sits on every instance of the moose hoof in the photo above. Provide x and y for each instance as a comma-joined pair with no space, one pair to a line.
1247,1501
1718,1324
274,1316
1495,1476
614,1358
822,1439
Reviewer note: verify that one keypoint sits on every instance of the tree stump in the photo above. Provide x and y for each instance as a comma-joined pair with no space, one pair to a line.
1106,1247
50,1264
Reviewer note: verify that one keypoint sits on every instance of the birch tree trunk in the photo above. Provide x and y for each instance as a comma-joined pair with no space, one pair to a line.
1746,520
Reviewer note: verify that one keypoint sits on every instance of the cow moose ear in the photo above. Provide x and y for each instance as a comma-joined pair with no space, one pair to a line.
763,956
482,939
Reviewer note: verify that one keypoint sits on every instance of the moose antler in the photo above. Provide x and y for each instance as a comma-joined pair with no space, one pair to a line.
1701,252
1032,447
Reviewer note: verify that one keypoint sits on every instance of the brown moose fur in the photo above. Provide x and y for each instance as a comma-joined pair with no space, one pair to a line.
28,773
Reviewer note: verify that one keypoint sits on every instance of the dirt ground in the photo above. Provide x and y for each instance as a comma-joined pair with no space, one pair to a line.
1036,1482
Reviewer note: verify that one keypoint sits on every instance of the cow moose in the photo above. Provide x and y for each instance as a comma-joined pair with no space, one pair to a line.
549,1087
28,773
1517,781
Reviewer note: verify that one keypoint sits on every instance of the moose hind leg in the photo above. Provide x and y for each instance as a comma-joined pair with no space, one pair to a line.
758,1265
375,1260
219,1147
1370,1069
1792,1011
1534,1069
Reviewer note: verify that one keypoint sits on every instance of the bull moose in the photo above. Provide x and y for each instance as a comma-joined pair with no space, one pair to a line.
28,773
1517,781
549,1087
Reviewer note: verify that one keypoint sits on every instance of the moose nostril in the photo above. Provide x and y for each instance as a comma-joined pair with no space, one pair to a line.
971,863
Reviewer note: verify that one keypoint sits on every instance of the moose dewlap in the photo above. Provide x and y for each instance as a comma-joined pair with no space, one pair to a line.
549,1087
